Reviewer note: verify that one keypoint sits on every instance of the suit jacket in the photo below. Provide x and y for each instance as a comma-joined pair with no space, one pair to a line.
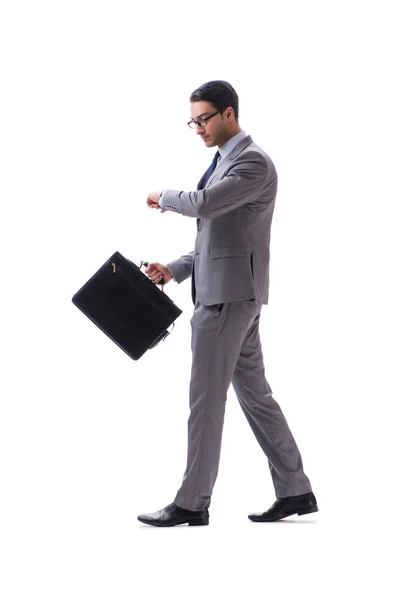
230,261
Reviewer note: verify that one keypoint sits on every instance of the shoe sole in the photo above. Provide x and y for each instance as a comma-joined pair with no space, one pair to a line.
204,521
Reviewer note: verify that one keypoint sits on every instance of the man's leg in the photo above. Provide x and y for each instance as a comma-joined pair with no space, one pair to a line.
266,419
218,332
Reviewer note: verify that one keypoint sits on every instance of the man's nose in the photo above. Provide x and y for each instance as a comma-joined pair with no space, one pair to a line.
199,129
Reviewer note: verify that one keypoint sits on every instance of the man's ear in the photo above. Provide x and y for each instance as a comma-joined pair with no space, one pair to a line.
230,114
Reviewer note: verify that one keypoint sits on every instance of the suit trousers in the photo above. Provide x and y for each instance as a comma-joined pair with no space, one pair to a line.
226,349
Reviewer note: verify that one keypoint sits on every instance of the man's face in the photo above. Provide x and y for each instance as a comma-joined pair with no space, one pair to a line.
215,132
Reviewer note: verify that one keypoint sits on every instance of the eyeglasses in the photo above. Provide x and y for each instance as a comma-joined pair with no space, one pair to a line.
202,122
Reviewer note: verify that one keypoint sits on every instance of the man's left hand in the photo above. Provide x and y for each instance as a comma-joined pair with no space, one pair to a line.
153,201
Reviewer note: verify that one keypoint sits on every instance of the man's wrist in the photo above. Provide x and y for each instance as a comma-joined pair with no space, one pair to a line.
160,198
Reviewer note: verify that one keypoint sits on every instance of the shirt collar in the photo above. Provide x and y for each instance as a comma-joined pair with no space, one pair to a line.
230,144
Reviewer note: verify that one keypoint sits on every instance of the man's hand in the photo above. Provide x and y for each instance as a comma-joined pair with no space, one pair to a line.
153,201
157,271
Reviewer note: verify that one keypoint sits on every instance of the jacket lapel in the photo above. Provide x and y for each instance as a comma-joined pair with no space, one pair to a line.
231,156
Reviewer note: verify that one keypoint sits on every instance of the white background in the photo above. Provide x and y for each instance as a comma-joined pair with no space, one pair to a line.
94,105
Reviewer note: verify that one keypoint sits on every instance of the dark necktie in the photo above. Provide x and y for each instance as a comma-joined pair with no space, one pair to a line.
200,186
209,171
207,176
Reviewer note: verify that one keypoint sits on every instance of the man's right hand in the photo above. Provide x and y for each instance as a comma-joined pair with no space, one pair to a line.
156,271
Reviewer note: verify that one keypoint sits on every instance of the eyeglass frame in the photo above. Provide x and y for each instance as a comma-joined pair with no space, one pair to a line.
197,123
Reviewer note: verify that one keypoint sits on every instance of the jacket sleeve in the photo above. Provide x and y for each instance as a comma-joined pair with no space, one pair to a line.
243,183
181,268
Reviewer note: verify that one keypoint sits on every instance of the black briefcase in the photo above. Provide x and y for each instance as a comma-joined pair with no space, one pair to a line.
127,306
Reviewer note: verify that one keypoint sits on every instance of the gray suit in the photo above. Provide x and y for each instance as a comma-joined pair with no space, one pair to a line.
230,280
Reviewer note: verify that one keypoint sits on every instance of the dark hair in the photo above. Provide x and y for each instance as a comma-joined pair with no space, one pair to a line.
218,93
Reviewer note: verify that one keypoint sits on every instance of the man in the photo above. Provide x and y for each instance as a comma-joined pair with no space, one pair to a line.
229,266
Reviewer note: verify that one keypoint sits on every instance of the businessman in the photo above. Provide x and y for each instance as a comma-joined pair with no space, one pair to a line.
229,266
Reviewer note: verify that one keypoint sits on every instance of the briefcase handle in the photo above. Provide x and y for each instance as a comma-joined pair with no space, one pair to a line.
142,262
162,282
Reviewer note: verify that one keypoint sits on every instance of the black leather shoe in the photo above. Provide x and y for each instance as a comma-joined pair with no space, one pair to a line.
175,515
284,507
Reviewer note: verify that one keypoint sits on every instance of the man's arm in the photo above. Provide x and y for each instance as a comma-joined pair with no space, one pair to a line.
181,268
243,184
